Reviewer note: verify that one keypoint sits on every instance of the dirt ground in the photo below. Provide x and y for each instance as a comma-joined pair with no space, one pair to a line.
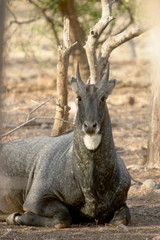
29,82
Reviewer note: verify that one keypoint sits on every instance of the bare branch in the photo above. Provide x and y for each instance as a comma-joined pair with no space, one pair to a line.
11,12
28,119
35,4
23,22
15,21
114,41
2,23
36,108
93,37
31,120
18,127
52,24
66,40
124,28
62,109
67,46
111,29
48,19
106,8
40,7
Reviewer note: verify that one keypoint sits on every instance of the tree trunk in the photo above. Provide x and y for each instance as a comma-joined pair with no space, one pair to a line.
153,160
2,18
61,102
77,34
62,109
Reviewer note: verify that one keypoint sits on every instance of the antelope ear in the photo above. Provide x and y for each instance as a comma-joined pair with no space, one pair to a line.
110,86
74,84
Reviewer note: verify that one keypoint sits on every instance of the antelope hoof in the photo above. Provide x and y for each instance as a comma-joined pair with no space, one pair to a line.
62,225
12,219
121,216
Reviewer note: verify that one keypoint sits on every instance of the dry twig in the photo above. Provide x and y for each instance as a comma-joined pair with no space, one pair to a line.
31,120
48,19
36,108
28,119
15,21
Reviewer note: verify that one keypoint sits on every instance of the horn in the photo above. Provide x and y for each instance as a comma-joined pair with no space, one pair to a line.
105,78
106,74
78,76
89,81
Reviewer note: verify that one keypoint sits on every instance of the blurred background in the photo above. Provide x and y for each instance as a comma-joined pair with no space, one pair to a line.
33,32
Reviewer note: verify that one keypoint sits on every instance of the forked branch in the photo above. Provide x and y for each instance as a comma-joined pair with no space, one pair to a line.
16,21
49,19
30,119
97,67
114,41
93,38
62,108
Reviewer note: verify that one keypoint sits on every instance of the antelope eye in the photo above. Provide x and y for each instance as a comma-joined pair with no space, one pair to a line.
79,98
103,99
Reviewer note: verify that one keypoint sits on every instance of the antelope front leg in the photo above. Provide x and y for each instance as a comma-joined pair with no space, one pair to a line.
54,214
121,216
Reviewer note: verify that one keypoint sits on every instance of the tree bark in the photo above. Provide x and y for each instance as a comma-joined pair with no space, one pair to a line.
98,66
2,19
95,33
153,159
62,109
77,34
115,41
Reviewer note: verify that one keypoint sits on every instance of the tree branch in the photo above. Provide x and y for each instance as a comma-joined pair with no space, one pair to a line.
106,8
52,24
31,120
36,108
124,28
66,40
62,108
114,41
93,37
48,19
23,22
19,22
37,6
11,12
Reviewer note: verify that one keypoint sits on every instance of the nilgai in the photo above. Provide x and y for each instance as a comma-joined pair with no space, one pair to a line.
73,177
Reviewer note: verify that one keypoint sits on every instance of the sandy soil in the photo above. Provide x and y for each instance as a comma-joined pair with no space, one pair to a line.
29,82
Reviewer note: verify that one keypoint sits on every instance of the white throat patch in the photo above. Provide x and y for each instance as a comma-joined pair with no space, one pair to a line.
92,141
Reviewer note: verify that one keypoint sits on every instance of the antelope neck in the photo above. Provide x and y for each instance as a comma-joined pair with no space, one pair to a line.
103,155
